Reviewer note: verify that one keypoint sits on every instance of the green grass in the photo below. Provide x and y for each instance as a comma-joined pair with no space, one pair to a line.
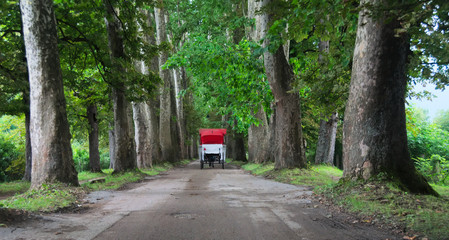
115,181
442,190
383,201
45,199
313,176
14,187
86,175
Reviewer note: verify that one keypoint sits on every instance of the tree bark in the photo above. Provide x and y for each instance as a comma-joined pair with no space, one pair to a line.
111,135
124,152
374,133
28,149
238,148
94,153
289,149
325,148
141,121
179,85
258,137
50,135
166,133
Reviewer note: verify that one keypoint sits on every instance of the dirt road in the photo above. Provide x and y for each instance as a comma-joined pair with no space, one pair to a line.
189,203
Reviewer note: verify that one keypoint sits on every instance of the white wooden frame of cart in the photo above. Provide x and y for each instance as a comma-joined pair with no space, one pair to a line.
212,148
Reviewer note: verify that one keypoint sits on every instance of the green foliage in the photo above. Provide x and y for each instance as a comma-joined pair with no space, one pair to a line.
8,154
425,139
12,147
427,23
435,169
81,156
228,78
13,68
442,120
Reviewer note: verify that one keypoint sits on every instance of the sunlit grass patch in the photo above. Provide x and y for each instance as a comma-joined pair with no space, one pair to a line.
115,181
86,175
442,190
14,187
49,197
314,176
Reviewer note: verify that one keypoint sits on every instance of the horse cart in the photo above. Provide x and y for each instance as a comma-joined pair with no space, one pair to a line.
212,149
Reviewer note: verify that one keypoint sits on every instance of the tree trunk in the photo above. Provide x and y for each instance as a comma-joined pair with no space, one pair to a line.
50,135
375,136
178,86
258,137
289,149
111,147
124,152
238,150
153,107
28,150
142,137
325,148
165,112
94,153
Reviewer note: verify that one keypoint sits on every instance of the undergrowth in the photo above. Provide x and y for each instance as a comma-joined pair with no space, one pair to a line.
48,198
382,202
14,187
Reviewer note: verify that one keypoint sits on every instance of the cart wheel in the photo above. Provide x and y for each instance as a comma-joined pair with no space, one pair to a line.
202,164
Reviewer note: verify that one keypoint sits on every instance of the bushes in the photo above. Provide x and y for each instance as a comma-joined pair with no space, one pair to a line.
8,155
435,169
81,156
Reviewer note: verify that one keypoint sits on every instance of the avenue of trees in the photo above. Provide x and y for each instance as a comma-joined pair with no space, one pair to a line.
127,84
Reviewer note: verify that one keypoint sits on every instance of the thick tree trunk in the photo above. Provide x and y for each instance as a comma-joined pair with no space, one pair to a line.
94,153
325,148
153,107
289,150
166,134
374,133
50,135
124,152
258,137
142,137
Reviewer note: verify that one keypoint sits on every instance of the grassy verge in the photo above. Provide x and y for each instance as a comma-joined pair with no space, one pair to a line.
313,176
14,187
377,201
53,197
383,203
45,199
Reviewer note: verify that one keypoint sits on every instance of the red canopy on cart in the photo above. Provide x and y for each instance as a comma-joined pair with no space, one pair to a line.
212,136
